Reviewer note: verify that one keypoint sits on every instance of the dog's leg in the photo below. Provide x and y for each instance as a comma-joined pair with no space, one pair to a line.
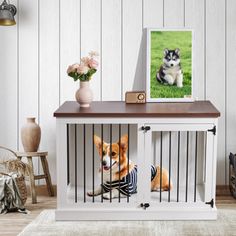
169,79
97,192
114,194
156,182
179,80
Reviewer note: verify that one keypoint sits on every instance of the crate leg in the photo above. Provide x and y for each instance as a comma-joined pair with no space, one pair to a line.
61,163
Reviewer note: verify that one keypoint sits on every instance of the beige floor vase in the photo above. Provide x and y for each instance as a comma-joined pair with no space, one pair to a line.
30,135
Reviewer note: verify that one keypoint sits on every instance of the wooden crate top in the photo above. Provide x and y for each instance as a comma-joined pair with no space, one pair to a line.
198,109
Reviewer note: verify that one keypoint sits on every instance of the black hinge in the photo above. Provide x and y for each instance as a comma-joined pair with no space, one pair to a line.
145,128
213,130
145,205
211,203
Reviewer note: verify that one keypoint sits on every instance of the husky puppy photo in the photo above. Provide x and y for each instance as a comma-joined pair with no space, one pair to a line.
170,72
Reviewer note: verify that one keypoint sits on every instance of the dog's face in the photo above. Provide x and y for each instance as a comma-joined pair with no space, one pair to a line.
171,57
109,154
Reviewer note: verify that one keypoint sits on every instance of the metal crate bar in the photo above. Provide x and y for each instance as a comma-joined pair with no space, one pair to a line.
169,166
68,153
76,163
195,171
178,163
119,158
128,160
110,162
187,155
160,166
84,162
101,162
93,159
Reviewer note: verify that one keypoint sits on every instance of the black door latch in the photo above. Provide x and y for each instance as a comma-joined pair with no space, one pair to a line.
213,130
146,128
144,205
211,203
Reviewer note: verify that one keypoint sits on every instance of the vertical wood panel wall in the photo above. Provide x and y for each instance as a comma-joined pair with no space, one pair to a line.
49,35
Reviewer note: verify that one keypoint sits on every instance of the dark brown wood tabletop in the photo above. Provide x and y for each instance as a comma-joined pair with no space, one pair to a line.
121,109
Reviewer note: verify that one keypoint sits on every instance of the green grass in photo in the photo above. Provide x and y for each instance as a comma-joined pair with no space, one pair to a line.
171,40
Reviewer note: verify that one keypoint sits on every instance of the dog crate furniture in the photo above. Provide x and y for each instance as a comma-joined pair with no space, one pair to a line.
180,137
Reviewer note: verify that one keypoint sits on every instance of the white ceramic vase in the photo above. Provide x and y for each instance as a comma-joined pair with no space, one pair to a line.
84,95
30,135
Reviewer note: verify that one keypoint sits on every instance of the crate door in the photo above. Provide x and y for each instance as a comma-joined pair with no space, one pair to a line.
86,173
175,159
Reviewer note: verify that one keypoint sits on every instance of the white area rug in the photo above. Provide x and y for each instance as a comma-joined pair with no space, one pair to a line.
45,225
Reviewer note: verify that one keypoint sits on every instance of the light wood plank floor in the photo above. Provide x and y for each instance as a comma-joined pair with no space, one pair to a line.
13,223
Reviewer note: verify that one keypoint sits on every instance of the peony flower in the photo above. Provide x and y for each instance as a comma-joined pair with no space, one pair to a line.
93,54
85,60
72,68
75,66
69,70
93,64
82,69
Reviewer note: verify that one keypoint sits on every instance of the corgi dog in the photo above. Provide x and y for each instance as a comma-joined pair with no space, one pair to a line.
119,176
170,71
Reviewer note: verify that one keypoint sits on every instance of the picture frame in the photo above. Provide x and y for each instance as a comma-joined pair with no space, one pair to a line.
169,62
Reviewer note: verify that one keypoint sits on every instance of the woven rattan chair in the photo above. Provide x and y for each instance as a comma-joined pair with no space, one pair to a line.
8,163
6,154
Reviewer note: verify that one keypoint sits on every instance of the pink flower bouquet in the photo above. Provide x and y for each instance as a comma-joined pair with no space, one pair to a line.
86,68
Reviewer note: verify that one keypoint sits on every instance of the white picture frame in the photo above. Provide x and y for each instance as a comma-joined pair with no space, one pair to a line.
150,95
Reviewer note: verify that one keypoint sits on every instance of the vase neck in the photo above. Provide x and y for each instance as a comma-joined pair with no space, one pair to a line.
31,120
84,84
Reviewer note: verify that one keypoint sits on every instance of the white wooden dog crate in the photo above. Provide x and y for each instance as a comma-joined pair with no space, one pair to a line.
180,137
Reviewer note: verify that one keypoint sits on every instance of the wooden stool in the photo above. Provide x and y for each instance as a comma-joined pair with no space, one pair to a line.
32,177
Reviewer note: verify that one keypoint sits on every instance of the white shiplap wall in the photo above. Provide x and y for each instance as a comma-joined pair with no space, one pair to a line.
50,35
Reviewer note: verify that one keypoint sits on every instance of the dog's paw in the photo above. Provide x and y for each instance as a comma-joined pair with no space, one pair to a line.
155,190
90,194
106,196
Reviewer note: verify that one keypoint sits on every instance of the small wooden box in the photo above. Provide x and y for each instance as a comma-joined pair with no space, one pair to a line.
135,97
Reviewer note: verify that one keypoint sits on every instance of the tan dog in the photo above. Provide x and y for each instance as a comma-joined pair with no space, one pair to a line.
114,161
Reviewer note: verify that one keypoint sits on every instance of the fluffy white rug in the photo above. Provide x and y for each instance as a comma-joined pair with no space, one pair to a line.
45,225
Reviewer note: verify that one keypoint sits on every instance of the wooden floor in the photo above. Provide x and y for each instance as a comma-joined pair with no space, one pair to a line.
13,223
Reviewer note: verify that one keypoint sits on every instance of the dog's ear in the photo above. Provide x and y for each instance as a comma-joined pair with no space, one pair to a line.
166,50
98,143
123,143
177,51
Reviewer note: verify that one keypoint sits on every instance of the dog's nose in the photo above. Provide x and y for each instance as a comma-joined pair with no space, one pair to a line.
172,64
104,163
